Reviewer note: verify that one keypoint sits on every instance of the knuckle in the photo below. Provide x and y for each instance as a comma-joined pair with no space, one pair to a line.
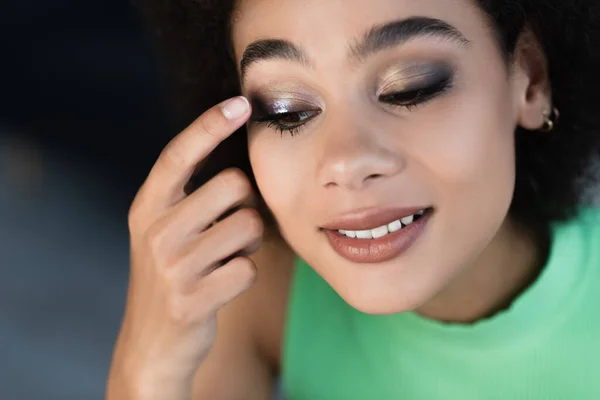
178,310
252,221
175,280
135,215
235,181
207,126
156,238
173,156
133,218
247,270
170,271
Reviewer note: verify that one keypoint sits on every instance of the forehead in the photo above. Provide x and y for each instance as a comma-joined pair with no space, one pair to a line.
324,25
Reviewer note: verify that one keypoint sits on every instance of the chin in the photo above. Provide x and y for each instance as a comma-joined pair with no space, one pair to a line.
383,306
381,299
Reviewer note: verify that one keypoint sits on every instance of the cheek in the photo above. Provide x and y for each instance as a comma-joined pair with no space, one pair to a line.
477,149
470,151
470,165
278,173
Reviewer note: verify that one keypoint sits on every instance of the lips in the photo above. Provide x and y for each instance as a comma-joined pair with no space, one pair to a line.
376,250
368,219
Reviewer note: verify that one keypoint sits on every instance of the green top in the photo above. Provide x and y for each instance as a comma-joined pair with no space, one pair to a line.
545,346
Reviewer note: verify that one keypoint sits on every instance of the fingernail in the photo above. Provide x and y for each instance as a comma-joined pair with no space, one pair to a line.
235,108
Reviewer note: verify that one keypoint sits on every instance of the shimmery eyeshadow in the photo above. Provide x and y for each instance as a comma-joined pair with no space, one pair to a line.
416,75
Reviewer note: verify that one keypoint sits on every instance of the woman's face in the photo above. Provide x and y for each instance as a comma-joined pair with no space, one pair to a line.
367,111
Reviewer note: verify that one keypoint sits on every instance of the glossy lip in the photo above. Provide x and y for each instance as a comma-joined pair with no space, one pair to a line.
370,251
370,218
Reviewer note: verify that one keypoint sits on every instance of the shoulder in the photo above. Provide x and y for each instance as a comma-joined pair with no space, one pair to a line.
577,243
590,215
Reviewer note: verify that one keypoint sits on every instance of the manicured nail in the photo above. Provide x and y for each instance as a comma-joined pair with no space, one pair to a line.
235,108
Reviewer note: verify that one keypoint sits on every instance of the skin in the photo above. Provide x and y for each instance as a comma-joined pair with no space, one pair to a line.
454,153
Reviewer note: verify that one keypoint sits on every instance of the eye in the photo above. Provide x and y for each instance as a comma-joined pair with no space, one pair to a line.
290,122
417,96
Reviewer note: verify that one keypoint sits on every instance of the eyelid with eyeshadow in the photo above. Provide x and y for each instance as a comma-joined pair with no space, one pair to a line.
419,84
284,115
414,77
262,107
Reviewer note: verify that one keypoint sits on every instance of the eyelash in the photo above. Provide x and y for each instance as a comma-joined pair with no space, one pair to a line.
409,100
273,121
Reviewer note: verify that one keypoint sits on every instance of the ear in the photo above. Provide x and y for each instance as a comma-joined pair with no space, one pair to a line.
531,85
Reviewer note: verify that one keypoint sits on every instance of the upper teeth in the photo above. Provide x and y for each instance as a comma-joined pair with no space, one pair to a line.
384,230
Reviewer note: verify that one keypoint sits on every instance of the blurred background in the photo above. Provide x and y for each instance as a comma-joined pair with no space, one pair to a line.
82,118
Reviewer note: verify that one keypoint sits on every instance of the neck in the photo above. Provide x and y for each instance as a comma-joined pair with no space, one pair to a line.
508,265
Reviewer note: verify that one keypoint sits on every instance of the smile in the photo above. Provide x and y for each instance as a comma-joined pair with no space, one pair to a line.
384,230
380,244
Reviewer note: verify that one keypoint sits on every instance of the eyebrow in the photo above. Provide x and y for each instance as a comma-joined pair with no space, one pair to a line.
378,38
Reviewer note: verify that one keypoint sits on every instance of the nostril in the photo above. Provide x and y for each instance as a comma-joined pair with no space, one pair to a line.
374,176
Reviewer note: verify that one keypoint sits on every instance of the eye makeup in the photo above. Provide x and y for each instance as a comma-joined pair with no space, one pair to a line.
283,110
263,106
415,84
401,86
407,77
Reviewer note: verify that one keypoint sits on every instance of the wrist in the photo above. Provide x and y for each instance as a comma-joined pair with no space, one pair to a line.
139,374
144,383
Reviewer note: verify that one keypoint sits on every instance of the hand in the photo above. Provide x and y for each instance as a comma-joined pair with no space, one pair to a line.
185,262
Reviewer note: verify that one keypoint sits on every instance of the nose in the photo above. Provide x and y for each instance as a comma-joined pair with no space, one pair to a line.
352,157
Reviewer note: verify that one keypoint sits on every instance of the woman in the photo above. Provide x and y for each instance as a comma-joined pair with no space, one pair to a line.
416,165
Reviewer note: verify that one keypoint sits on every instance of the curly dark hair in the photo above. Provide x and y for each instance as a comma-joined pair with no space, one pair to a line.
195,35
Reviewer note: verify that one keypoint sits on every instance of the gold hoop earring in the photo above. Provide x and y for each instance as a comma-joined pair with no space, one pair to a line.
551,120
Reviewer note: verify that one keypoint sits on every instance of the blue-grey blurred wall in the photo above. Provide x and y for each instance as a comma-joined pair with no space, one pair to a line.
82,117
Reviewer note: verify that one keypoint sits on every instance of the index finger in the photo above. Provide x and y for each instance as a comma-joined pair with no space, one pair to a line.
177,161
